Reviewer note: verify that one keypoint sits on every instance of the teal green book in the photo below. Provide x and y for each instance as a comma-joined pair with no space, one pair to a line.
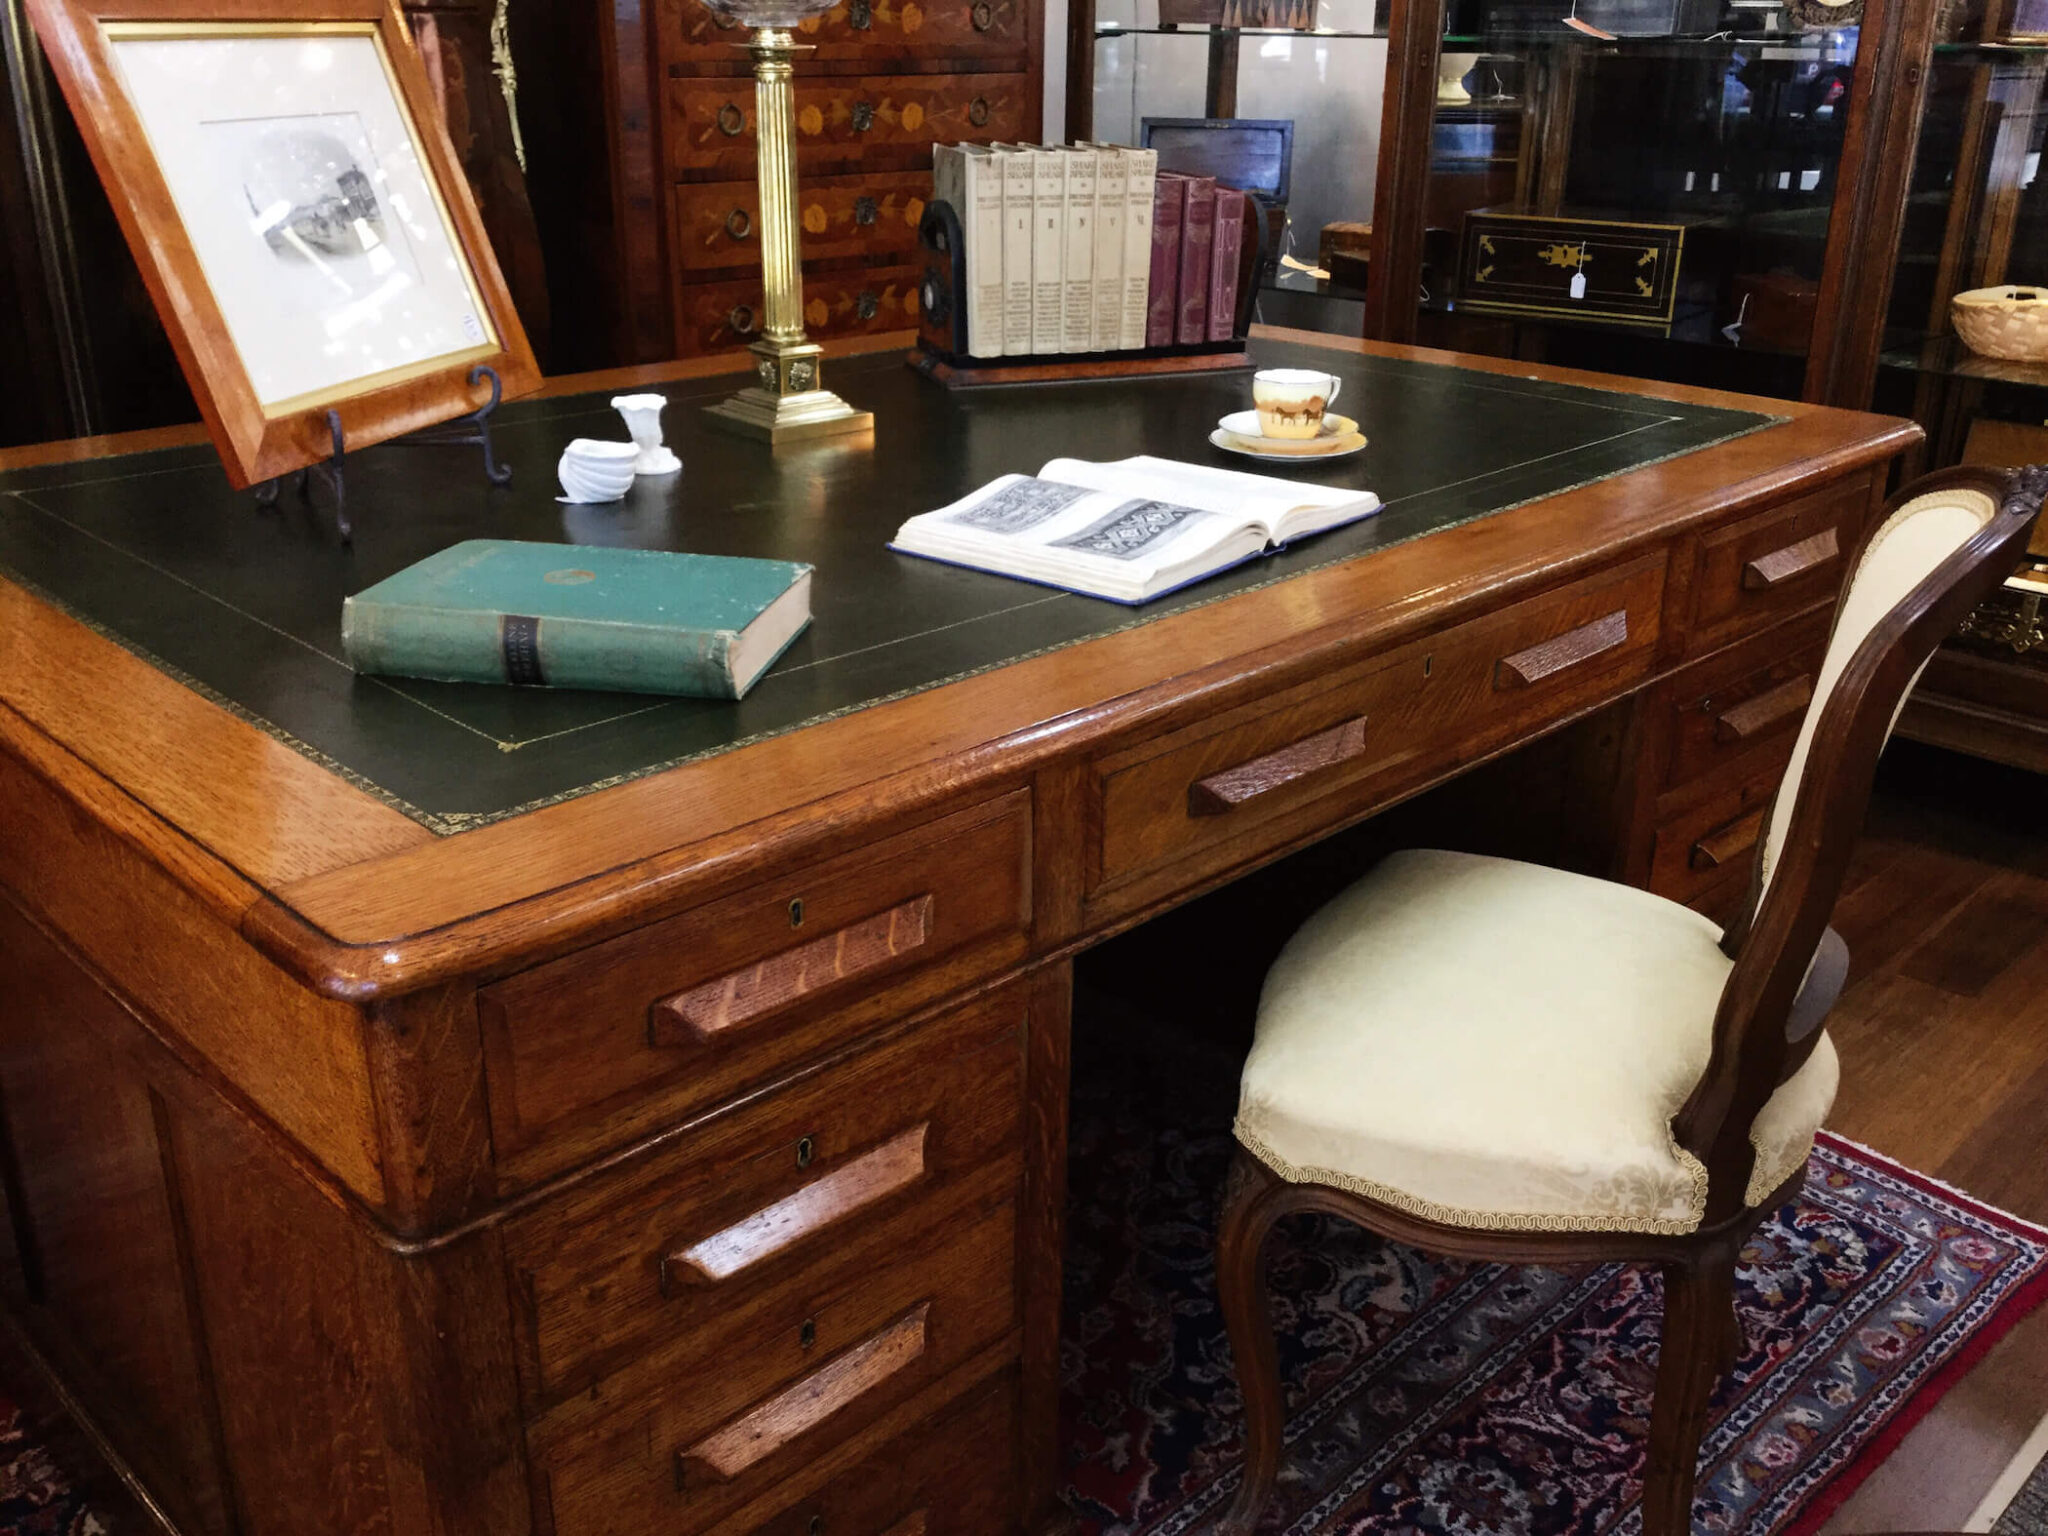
575,616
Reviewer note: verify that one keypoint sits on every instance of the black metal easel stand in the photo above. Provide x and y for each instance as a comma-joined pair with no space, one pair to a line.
472,429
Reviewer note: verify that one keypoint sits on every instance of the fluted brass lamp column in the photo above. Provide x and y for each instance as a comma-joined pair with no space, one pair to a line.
790,402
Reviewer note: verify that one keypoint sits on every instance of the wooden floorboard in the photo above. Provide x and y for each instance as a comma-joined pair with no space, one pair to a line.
1943,1034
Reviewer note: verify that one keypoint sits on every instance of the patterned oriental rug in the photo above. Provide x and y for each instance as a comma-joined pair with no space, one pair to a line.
1432,1396
1429,1396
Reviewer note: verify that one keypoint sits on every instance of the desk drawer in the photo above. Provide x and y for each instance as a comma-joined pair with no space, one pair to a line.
856,301
718,224
846,123
1238,780
1771,565
1746,705
629,1034
869,30
748,1220
690,1441
1712,843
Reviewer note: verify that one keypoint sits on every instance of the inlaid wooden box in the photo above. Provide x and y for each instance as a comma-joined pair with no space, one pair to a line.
1521,263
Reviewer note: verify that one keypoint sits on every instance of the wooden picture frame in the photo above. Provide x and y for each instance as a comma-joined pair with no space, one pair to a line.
268,429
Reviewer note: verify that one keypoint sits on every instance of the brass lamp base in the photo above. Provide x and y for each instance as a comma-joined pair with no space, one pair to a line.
787,406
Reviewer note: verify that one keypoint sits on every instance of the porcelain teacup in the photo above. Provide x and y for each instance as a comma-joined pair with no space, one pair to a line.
1291,401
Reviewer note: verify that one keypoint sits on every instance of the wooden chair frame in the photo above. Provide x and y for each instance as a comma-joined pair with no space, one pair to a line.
1768,1021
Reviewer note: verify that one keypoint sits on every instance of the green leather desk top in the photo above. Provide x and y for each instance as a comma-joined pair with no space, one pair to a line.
155,551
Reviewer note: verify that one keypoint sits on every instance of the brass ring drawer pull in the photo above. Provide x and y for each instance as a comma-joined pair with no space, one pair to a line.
804,1405
739,224
1227,790
864,211
708,1013
1567,650
977,112
863,116
866,304
741,319
1752,717
1791,562
873,1176
860,15
983,16
731,120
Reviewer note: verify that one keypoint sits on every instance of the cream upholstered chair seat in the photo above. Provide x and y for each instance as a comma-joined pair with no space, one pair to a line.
1493,1044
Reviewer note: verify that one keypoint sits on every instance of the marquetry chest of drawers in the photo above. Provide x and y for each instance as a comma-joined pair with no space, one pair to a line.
886,80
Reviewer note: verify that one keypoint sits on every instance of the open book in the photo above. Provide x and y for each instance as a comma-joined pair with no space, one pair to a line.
1127,531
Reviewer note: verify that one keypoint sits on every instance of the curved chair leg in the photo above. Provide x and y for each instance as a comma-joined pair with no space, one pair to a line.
1248,1219
1699,1303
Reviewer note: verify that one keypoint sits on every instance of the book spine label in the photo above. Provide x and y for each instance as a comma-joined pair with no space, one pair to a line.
477,646
1142,167
984,193
1077,329
1112,178
1169,206
1197,246
1048,247
1231,212
1016,172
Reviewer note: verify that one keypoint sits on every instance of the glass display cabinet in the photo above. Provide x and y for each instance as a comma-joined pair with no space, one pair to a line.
1654,200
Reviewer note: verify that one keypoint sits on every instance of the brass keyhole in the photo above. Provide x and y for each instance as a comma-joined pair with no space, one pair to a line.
982,16
796,913
860,15
864,211
731,120
741,319
977,111
863,116
1428,663
807,1334
866,305
739,224
806,1149
816,1526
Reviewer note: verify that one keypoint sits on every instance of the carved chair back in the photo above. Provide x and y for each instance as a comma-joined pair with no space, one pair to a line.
1941,546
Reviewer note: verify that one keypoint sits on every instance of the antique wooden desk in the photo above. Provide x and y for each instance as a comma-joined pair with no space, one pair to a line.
437,1109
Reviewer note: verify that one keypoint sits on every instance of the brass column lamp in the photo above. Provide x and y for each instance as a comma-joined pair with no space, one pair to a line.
790,402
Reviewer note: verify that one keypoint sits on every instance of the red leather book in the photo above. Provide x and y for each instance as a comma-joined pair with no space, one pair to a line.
1169,199
1197,247
1231,211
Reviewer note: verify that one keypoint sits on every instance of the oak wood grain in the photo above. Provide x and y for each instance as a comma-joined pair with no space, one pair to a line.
837,1197
1573,648
1765,711
1726,845
833,1387
1794,560
705,1013
1232,787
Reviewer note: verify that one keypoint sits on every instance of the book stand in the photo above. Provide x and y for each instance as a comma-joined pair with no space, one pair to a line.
941,352
463,431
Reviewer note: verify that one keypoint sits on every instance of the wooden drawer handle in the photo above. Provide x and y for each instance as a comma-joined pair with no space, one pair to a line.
873,1176
1566,650
724,1455
1718,849
708,1013
1752,717
1227,790
1794,560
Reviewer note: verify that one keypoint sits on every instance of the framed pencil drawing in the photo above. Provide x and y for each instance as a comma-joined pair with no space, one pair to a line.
283,176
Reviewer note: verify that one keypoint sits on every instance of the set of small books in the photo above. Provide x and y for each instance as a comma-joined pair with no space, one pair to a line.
1090,248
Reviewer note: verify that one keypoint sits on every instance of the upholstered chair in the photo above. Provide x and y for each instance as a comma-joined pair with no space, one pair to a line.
1499,1061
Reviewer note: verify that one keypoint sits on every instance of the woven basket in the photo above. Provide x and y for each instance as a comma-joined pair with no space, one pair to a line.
2011,323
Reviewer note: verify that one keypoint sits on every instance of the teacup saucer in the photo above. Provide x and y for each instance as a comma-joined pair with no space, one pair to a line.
1239,433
